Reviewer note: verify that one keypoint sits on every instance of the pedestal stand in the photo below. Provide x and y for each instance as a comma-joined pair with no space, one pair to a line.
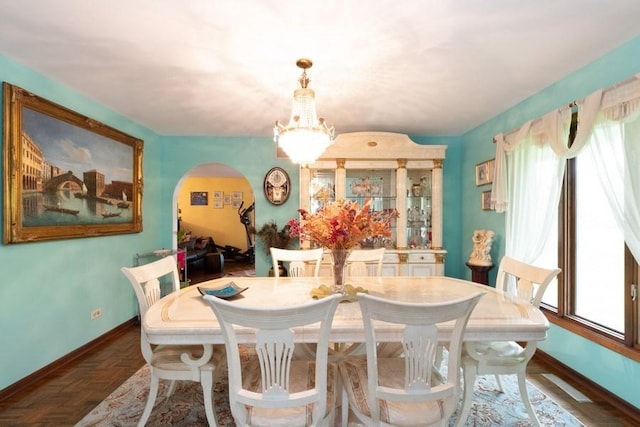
480,273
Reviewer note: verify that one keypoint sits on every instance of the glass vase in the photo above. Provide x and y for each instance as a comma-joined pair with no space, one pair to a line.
340,257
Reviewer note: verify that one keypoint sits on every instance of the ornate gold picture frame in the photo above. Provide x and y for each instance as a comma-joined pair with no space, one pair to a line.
484,172
485,201
66,175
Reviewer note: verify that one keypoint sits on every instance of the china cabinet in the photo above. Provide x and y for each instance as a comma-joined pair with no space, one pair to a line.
396,173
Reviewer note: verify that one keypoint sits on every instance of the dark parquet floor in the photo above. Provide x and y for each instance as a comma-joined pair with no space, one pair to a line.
68,394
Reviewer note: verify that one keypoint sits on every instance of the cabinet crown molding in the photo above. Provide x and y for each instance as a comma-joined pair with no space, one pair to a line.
380,145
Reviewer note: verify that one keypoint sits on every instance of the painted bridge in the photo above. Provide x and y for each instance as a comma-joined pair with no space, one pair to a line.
58,182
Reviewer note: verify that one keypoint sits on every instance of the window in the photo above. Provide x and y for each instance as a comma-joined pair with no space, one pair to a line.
592,177
593,296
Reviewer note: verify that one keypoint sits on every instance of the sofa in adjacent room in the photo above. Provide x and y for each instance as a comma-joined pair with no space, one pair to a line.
202,253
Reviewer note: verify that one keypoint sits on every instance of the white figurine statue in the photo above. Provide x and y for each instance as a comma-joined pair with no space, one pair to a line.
482,241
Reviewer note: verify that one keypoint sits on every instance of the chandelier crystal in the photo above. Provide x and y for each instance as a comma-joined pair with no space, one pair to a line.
306,136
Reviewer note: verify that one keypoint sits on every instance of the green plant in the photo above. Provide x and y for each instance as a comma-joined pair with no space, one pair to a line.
272,237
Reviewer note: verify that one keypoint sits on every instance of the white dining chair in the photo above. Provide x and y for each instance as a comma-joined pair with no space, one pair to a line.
273,388
527,283
407,390
365,262
300,263
303,262
170,362
362,262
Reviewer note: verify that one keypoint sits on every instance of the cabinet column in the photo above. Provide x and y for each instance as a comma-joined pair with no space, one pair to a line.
305,185
341,179
305,196
401,204
436,205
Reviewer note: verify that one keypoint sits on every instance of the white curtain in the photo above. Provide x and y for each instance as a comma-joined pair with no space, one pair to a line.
618,143
530,165
532,172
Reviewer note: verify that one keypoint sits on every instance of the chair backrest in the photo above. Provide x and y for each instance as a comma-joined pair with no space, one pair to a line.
419,349
145,280
298,261
365,262
524,281
274,336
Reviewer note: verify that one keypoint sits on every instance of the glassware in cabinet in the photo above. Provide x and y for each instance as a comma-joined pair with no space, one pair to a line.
418,209
322,188
379,185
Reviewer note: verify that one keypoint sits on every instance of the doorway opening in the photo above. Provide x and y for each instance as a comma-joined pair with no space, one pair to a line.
213,215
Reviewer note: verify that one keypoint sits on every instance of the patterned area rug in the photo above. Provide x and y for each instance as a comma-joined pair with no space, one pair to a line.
185,408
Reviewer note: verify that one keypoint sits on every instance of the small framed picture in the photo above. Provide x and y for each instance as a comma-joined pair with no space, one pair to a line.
227,199
237,204
485,201
199,198
237,195
484,172
218,195
218,204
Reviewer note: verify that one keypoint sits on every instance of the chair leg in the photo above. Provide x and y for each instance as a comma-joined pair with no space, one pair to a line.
172,388
499,383
151,399
469,383
522,385
206,379
344,410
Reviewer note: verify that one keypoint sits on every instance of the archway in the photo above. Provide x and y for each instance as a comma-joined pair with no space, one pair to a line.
213,203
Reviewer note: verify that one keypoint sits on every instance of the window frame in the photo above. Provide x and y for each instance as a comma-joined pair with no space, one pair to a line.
627,343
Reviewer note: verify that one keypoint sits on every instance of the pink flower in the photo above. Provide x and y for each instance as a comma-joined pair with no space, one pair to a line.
294,227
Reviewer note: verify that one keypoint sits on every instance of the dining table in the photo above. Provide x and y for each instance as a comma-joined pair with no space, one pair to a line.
183,317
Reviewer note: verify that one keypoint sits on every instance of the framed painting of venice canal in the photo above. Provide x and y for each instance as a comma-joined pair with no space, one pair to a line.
66,175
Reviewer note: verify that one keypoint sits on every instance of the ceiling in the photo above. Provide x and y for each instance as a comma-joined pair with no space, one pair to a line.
227,68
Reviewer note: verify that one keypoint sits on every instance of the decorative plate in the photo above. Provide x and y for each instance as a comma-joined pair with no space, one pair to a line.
230,290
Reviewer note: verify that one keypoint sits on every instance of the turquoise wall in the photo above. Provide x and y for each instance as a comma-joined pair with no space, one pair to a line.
616,373
48,289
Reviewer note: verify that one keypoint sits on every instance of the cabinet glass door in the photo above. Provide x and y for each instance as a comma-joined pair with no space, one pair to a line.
419,209
322,188
380,186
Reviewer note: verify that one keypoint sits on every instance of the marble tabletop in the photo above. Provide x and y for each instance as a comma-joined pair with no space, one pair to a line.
184,317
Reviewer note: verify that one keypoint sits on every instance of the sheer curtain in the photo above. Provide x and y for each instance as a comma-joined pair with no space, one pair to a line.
617,142
533,173
530,165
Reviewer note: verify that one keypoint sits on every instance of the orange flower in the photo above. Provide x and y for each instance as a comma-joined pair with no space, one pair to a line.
342,224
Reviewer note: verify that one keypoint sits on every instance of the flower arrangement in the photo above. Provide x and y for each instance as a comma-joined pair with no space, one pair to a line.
342,224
